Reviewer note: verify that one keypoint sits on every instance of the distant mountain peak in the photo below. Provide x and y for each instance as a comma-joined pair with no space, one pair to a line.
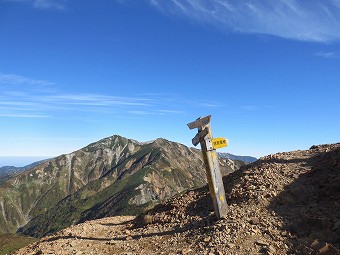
113,176
247,159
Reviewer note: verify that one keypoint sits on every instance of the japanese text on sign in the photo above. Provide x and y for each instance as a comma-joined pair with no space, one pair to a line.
219,143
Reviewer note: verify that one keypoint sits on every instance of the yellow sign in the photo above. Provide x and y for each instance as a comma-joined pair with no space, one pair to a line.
219,143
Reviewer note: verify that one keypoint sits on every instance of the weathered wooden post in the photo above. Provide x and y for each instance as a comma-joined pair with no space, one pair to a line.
214,176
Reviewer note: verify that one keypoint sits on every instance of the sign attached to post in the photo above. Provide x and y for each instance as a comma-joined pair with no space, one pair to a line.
199,136
219,142
200,122
210,158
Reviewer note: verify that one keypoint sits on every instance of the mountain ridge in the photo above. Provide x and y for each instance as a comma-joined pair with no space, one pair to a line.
247,159
113,176
7,172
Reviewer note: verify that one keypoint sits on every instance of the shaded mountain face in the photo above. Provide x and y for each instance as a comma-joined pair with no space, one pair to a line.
114,176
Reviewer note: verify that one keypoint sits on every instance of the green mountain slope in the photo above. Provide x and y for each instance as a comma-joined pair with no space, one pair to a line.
7,172
113,176
9,243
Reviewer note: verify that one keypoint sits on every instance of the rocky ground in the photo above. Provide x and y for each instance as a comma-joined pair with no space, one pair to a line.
286,203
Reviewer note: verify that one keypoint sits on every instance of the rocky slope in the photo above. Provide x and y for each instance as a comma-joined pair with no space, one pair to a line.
286,203
114,176
7,172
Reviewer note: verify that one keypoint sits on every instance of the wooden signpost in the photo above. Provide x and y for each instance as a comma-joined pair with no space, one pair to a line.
214,176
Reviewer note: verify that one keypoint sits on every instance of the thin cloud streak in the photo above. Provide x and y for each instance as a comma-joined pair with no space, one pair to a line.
20,98
48,4
142,113
170,111
97,100
328,54
22,104
75,102
249,107
28,116
314,20
157,112
12,79
42,4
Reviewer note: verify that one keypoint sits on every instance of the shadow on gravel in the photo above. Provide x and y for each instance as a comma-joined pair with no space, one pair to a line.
310,206
116,224
181,215
123,238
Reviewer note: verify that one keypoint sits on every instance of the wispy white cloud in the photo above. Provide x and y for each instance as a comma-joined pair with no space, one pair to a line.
156,112
13,79
49,4
170,111
52,104
42,4
96,100
23,97
249,107
328,54
206,104
137,112
16,115
313,20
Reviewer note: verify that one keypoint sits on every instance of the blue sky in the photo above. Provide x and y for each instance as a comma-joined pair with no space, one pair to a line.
73,72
